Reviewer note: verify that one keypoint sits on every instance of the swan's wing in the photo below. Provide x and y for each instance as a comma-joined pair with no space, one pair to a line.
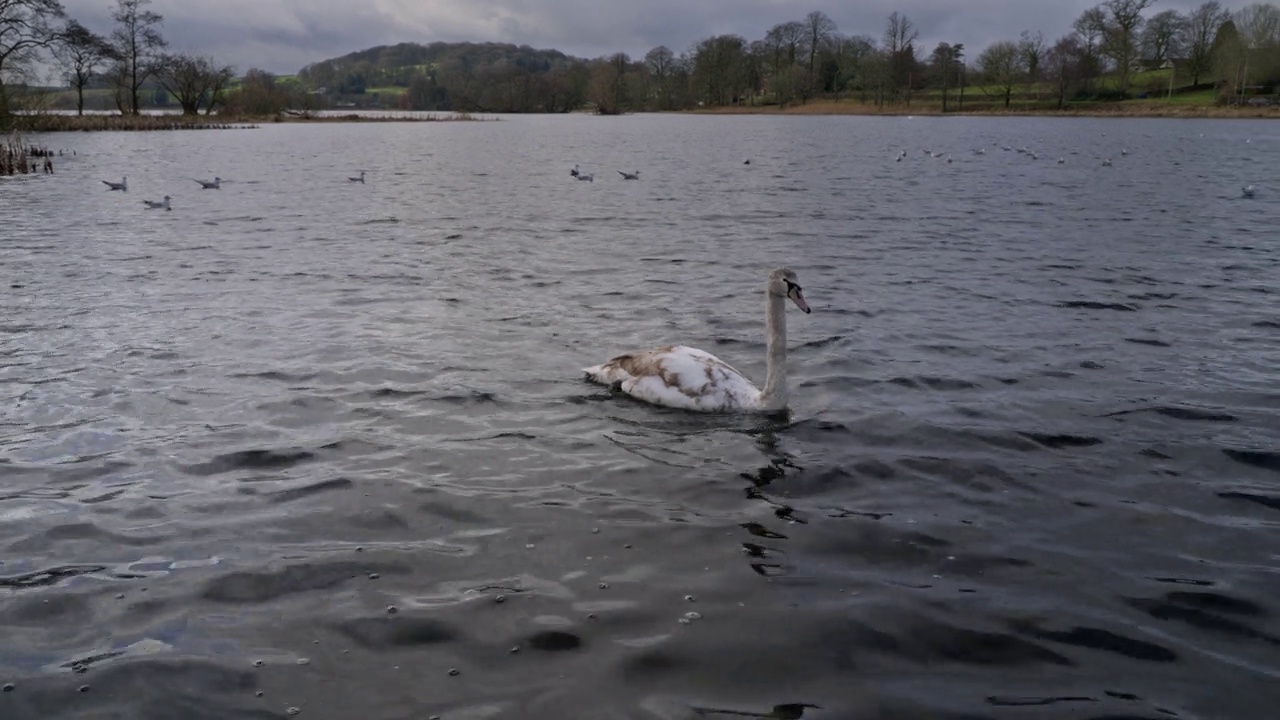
678,376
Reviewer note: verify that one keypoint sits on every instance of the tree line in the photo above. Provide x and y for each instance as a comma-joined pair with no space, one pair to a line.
131,60
1098,58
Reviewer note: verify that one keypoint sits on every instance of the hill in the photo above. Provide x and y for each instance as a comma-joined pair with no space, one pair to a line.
472,77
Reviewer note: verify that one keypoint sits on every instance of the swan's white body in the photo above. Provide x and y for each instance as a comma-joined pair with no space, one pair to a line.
691,379
681,377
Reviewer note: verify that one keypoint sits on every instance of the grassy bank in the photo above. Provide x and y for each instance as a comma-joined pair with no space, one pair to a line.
1127,108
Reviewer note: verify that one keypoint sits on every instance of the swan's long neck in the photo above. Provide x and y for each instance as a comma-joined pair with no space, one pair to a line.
774,395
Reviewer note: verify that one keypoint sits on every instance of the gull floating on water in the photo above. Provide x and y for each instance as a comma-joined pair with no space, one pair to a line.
122,185
630,175
1062,160
215,184
161,205
1106,163
1248,191
358,179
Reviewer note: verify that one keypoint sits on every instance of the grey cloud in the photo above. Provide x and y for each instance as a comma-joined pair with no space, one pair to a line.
284,35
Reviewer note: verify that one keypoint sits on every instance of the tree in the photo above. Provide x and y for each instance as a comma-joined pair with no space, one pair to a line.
609,87
80,52
137,43
1258,26
194,81
1228,59
717,68
1163,37
899,34
1032,47
1063,65
660,62
26,26
1090,28
943,59
1121,39
1202,27
1003,63
818,31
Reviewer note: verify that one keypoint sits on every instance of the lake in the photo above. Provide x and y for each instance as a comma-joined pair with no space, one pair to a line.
302,446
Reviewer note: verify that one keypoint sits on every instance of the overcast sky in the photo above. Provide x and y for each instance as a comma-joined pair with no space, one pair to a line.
281,36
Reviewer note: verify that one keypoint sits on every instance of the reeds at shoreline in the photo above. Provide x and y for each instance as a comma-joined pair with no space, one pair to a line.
89,123
18,158
45,122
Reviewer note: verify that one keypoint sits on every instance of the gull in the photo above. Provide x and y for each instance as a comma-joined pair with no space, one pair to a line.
574,171
215,184
1106,163
358,179
122,185
161,205
630,175
1062,160
1248,191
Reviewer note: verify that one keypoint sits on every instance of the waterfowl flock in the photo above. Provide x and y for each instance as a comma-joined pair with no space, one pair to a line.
165,202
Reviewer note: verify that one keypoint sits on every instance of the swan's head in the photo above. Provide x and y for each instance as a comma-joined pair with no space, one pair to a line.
784,283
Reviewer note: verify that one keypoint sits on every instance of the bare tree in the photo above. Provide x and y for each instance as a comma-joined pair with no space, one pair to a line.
943,59
899,36
1004,64
1062,63
1259,25
818,31
26,26
1121,38
80,52
193,80
1032,47
1164,37
783,43
138,43
660,62
1259,30
1202,27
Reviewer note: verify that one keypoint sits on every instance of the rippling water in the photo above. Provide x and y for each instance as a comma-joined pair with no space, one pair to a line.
302,446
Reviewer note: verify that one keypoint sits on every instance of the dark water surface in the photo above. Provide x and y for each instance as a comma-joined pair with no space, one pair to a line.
1032,468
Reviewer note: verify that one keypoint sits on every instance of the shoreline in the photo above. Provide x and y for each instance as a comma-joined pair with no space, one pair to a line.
48,123
1153,109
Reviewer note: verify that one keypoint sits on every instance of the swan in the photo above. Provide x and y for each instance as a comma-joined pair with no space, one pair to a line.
154,205
358,179
215,184
122,185
684,377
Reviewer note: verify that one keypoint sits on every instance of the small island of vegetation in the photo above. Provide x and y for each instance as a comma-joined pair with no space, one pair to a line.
1118,58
